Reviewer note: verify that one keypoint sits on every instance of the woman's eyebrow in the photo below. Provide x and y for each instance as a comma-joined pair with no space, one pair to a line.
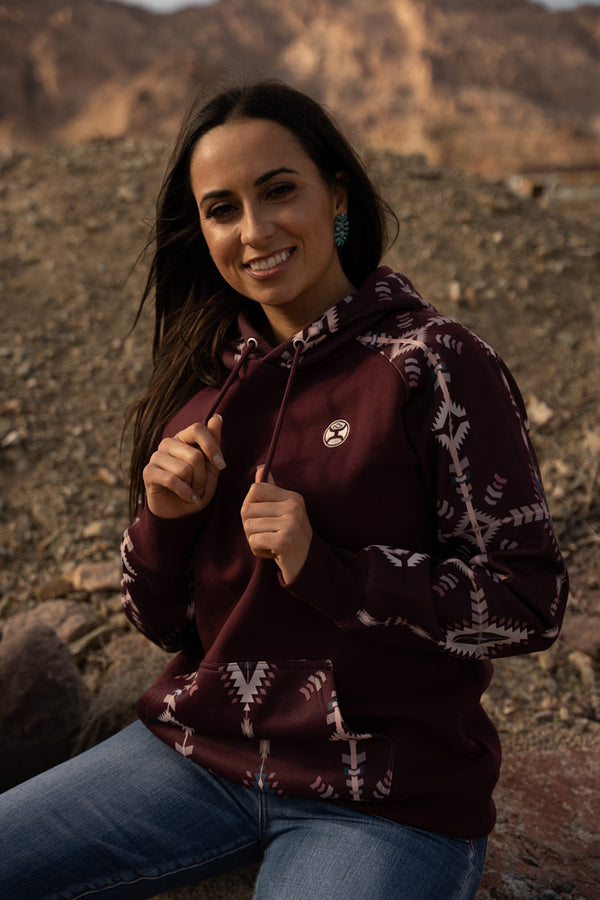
272,173
220,195
215,195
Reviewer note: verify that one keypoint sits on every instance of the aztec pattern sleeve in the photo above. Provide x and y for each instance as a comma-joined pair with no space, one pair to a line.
156,584
495,583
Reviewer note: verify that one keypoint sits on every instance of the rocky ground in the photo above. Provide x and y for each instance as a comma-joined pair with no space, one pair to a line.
523,276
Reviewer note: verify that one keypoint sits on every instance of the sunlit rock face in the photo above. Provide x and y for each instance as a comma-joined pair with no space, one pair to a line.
495,87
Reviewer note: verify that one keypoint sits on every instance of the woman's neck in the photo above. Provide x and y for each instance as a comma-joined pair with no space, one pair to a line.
279,325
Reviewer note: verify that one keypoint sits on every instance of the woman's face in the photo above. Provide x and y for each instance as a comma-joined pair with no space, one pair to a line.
267,216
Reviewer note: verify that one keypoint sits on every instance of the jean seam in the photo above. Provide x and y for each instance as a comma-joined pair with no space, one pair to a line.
468,875
263,824
149,878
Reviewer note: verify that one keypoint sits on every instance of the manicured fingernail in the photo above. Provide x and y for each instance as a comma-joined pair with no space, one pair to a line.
219,461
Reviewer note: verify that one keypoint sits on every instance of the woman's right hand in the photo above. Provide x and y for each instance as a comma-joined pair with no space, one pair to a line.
181,477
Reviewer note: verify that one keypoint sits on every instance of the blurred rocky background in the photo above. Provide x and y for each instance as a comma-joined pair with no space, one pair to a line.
480,122
495,86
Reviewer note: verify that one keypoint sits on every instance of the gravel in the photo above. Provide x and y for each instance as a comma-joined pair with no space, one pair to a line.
522,275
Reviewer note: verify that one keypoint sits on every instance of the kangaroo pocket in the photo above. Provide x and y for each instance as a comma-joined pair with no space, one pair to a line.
272,727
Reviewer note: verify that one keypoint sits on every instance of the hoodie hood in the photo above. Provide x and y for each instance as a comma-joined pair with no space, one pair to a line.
383,291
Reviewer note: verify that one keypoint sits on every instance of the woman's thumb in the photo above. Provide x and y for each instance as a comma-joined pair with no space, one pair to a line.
259,477
215,426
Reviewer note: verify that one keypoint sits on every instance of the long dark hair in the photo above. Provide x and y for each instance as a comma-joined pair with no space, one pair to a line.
194,306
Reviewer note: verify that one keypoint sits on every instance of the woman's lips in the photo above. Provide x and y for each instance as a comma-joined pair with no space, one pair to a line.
268,265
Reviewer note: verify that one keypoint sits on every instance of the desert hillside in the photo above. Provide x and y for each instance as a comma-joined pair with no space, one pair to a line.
493,87
524,277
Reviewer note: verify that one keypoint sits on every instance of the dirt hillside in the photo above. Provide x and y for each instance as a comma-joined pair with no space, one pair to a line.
73,221
492,87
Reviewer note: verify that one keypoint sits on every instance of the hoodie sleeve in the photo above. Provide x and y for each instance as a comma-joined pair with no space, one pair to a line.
495,583
156,585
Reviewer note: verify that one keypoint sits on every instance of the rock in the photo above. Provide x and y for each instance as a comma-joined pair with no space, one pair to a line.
546,843
53,588
583,633
100,576
132,664
43,701
101,529
539,412
13,439
454,291
68,619
93,640
110,477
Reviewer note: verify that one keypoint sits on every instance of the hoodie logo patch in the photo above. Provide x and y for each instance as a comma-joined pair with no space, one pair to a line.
336,433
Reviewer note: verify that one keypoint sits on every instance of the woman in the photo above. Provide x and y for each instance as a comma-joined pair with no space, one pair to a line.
339,522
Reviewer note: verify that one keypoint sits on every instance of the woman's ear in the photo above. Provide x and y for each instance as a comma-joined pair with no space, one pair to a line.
339,191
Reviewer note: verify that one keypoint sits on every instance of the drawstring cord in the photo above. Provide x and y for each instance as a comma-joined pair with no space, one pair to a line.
251,344
299,347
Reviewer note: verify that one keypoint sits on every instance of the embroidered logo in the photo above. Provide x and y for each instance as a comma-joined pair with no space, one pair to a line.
336,433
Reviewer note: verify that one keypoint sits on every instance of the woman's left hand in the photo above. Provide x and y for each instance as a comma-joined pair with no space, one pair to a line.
276,525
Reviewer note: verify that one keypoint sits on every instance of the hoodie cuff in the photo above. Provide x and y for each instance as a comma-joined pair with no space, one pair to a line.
332,581
165,544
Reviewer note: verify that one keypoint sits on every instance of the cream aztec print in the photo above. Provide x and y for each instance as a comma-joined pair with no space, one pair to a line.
168,715
166,642
482,635
249,684
330,322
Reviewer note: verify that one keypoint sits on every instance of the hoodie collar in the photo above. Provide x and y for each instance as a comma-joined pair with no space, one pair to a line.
354,315
382,291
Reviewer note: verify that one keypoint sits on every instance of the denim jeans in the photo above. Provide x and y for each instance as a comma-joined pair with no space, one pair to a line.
132,818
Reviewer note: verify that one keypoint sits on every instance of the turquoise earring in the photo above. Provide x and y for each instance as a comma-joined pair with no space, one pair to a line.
341,229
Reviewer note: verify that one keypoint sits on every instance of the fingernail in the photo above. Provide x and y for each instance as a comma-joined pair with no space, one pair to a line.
219,461
197,499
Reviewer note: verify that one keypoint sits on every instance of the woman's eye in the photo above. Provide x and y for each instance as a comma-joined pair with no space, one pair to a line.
279,190
220,211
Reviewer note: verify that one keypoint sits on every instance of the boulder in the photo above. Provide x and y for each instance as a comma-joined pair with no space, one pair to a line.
69,619
43,702
583,633
546,844
132,664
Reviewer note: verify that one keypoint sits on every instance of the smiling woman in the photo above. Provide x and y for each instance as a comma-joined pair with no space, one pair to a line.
338,522
267,216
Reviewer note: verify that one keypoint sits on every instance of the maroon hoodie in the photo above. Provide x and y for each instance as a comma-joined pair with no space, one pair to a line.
433,552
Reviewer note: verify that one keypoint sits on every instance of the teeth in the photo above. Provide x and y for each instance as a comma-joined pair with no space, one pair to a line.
262,265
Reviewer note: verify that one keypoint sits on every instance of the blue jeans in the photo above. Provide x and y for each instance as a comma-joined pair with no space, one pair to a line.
132,818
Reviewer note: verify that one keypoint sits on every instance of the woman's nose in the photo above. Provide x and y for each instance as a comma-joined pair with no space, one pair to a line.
256,227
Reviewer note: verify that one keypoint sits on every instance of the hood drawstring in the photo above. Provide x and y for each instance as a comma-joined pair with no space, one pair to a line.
251,344
299,345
